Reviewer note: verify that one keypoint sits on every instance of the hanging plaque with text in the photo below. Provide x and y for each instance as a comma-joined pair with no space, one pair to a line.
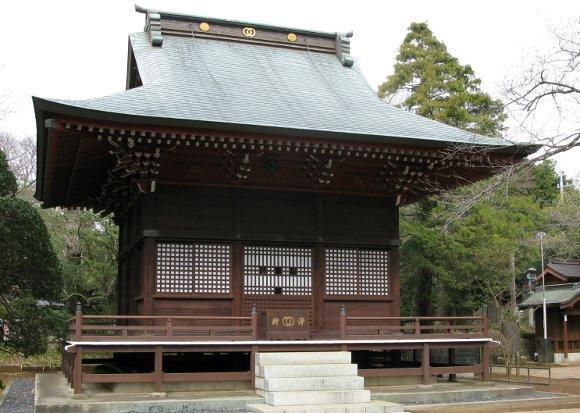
284,325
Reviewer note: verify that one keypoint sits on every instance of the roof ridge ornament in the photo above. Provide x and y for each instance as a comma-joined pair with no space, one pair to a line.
342,47
152,25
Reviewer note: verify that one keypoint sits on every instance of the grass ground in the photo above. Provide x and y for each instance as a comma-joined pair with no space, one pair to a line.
49,360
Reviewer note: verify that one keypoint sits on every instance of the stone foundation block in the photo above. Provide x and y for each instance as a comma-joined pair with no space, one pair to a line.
322,357
310,383
372,407
293,398
306,370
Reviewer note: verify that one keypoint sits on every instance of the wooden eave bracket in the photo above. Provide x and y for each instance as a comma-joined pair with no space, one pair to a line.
342,47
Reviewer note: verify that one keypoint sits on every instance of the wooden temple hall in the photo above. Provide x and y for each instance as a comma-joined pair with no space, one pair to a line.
256,179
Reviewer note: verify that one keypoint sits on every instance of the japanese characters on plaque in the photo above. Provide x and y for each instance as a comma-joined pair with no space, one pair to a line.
285,324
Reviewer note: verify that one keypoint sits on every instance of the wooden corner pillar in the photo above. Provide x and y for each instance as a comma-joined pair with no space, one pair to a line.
394,280
253,353
147,268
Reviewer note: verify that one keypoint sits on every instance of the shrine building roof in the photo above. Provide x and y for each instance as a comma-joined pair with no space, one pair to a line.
228,86
216,77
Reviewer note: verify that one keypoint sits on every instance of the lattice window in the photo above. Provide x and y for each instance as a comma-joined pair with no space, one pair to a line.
174,268
277,270
212,268
341,271
350,271
193,268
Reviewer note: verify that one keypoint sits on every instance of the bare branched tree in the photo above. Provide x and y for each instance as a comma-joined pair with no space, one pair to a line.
544,100
550,89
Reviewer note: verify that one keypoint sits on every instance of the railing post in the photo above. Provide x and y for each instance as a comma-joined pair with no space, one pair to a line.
169,327
158,370
343,334
78,370
254,315
485,365
253,355
485,326
425,364
343,322
452,362
78,320
417,326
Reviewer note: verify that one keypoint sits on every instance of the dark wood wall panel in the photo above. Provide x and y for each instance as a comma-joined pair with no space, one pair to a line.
278,216
358,220
171,306
255,215
199,212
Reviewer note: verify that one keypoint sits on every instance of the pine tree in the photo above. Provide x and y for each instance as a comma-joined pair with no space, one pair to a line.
431,82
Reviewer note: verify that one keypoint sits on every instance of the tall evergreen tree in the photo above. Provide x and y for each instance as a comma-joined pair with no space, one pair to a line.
29,272
431,82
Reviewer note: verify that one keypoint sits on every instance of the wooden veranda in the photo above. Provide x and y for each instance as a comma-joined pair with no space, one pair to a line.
202,334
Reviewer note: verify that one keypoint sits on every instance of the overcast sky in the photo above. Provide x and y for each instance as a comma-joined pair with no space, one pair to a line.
78,49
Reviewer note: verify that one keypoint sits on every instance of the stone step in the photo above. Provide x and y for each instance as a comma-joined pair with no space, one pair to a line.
306,370
372,407
293,398
310,383
322,357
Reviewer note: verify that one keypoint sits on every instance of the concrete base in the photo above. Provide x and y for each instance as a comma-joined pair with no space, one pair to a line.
461,391
372,407
391,381
172,387
293,398
54,395
572,357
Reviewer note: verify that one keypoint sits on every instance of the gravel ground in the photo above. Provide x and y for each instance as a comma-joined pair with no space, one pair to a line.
19,397
483,398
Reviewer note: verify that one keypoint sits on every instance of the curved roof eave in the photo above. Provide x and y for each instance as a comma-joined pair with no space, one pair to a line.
43,106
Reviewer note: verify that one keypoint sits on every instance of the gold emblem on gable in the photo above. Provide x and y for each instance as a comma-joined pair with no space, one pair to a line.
292,37
249,31
204,26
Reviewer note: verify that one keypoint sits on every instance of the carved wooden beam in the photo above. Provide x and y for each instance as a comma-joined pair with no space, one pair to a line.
318,170
236,165
135,172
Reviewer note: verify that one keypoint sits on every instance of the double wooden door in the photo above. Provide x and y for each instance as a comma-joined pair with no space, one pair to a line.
277,278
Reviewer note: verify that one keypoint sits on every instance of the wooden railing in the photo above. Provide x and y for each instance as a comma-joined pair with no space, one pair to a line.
365,328
399,328
160,331
163,328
